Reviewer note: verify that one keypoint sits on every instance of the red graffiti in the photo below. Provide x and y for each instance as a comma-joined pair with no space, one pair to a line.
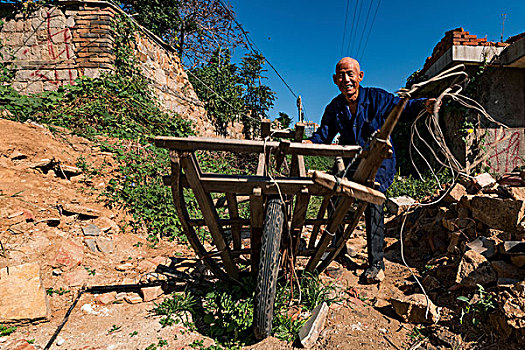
506,156
62,55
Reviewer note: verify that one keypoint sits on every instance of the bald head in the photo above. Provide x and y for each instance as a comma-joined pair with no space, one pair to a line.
347,77
347,61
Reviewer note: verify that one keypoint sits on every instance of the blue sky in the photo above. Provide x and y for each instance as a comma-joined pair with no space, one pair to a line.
303,40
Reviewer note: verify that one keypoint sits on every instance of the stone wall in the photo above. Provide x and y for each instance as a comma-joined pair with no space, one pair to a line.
55,45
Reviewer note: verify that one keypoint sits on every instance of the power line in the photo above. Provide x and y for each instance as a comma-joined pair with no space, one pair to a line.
344,27
252,44
371,27
352,31
364,27
356,28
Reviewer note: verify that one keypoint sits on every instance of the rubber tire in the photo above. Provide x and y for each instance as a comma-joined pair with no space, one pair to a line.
268,269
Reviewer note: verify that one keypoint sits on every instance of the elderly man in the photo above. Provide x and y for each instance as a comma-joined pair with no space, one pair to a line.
355,114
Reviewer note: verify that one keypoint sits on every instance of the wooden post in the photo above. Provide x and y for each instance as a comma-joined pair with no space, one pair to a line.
184,217
256,222
209,213
233,211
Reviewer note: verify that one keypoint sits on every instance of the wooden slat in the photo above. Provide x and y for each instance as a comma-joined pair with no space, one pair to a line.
297,165
244,184
191,144
256,221
349,188
285,134
246,222
233,211
298,218
184,217
365,174
265,128
209,213
320,216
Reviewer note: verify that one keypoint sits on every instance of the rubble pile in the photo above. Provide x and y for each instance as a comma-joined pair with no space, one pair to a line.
473,237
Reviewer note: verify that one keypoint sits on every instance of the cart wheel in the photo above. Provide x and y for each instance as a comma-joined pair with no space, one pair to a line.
268,269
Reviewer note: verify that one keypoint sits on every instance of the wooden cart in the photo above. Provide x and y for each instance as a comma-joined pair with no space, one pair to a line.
277,204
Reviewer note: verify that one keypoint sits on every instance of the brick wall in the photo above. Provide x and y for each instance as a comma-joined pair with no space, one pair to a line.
54,45
457,37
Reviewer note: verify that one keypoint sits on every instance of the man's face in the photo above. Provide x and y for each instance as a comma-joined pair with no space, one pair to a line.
347,77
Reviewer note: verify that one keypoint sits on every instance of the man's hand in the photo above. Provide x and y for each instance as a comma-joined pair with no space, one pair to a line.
429,105
307,141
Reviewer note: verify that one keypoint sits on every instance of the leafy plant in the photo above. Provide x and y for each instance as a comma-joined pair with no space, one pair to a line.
61,291
174,307
114,328
5,331
417,188
478,307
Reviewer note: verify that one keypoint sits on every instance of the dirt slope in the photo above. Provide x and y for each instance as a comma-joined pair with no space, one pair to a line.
36,227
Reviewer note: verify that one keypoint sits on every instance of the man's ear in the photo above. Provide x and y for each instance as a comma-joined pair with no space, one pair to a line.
361,75
334,79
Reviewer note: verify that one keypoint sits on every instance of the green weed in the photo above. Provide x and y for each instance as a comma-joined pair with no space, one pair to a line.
173,308
5,331
477,307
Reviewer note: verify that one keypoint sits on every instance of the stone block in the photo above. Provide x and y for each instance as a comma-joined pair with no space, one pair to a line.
151,293
92,244
76,277
513,247
483,181
475,269
506,270
91,230
310,331
497,213
397,205
484,246
413,309
68,255
106,298
133,298
105,245
34,87
455,194
22,295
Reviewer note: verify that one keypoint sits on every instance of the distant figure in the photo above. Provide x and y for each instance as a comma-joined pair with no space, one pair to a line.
355,114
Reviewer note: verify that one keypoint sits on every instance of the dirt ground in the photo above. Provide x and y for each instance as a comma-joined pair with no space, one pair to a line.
30,196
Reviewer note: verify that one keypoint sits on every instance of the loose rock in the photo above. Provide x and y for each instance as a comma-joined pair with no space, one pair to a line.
504,214
397,205
475,269
22,295
91,230
151,293
133,298
312,328
413,308
68,255
80,210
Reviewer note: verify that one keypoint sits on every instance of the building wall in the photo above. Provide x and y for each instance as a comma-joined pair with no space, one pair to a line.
54,45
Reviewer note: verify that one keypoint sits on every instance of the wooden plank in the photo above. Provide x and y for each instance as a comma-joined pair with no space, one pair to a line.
209,213
298,218
191,144
349,188
244,184
365,174
246,222
233,211
256,221
284,134
265,128
320,216
184,217
297,164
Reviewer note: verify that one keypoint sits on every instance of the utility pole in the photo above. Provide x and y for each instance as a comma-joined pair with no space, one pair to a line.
300,108
504,15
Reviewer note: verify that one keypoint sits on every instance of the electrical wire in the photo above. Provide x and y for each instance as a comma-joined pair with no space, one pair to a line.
356,28
364,27
353,23
370,31
344,26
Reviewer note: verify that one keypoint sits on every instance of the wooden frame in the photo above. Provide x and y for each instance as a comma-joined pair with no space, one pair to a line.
186,173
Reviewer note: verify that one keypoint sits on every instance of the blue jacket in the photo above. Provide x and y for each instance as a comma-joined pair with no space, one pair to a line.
373,106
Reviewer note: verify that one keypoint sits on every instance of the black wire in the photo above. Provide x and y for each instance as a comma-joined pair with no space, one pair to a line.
356,28
371,27
364,27
344,27
352,31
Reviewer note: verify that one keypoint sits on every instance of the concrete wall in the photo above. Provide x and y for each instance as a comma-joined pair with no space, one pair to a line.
54,45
